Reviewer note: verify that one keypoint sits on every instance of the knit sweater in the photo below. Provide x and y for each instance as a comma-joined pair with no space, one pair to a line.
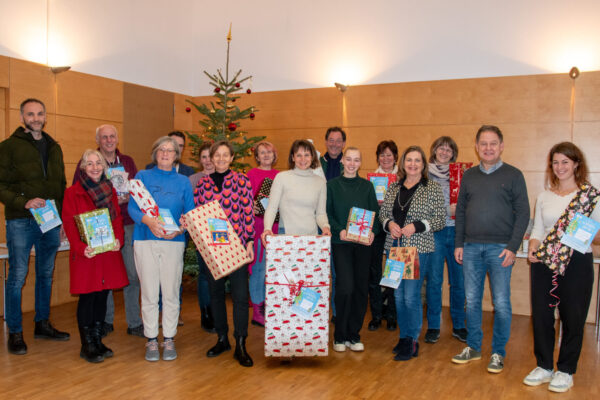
343,194
169,190
492,208
300,196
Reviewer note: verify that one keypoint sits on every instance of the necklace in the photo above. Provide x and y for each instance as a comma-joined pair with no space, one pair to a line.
407,203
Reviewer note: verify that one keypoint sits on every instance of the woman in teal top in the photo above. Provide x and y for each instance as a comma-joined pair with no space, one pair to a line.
350,259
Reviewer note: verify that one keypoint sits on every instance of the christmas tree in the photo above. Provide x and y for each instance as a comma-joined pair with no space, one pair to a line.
222,118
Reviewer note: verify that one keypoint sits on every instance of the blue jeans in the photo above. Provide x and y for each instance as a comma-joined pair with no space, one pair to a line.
409,306
478,260
21,235
444,250
257,277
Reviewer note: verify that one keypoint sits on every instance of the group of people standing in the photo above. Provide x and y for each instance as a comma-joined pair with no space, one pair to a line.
478,236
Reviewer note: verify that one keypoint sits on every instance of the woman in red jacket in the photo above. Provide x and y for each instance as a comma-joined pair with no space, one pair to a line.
92,276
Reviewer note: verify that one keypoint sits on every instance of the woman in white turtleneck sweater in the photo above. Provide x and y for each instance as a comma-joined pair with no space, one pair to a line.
299,195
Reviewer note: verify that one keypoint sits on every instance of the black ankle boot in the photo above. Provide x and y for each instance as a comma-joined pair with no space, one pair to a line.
241,354
89,351
206,320
16,344
221,347
97,337
45,330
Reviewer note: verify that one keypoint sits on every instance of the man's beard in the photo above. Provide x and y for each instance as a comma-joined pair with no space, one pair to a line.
32,129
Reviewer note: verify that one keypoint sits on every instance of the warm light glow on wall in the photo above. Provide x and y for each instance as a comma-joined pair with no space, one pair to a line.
33,49
586,58
350,73
58,54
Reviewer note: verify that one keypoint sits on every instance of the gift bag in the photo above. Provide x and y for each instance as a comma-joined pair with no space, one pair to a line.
457,170
409,256
262,197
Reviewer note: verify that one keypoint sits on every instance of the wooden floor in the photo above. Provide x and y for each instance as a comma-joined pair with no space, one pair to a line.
53,370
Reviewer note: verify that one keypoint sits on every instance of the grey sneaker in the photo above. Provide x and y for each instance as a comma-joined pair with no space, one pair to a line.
152,353
467,355
169,352
561,382
496,364
538,376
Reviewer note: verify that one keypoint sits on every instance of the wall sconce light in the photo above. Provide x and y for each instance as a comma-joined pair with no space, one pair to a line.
574,73
341,87
58,70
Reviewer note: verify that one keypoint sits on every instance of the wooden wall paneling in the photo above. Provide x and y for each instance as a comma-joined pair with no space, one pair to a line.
586,135
3,135
147,115
184,121
587,96
4,71
89,96
27,80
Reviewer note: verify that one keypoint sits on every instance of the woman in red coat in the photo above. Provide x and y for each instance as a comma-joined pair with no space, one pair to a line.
92,276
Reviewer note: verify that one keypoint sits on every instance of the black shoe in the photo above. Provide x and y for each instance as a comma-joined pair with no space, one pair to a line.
106,328
241,354
401,344
137,331
432,335
392,325
374,324
45,330
97,338
221,347
408,349
206,320
89,351
16,344
460,334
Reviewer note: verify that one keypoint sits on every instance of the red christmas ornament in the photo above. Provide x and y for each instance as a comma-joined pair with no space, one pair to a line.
248,91
232,126
237,84
188,109
217,90
252,115
233,100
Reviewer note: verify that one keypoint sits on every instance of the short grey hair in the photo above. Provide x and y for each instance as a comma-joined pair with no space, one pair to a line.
87,154
98,129
162,140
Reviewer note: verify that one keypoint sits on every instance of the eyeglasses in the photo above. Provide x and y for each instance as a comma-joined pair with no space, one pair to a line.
165,150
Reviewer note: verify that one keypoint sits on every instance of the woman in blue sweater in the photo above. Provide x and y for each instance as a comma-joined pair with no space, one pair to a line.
158,253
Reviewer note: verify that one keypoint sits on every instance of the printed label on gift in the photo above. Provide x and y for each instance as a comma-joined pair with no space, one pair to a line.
96,230
580,233
46,217
359,225
392,273
218,231
164,215
119,179
306,302
381,183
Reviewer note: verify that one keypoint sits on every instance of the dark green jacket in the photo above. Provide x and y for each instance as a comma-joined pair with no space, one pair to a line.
22,176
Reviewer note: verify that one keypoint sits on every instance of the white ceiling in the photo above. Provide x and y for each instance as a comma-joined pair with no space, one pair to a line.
303,44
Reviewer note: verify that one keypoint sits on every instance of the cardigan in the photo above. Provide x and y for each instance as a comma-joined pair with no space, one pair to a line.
427,206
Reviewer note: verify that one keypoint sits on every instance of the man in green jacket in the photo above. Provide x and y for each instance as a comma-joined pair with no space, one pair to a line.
31,172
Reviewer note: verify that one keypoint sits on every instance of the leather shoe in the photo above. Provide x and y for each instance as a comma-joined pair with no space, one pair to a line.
16,344
392,325
221,347
432,335
374,324
241,354
45,330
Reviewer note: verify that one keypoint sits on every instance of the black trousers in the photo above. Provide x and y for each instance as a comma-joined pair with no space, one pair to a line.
91,308
575,292
239,295
378,294
351,262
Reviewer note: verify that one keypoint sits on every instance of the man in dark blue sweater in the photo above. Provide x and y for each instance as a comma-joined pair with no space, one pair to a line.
491,218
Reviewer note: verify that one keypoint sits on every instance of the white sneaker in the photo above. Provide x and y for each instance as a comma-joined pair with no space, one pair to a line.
340,347
357,346
538,376
561,382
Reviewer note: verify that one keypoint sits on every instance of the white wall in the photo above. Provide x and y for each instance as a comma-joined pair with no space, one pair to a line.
312,43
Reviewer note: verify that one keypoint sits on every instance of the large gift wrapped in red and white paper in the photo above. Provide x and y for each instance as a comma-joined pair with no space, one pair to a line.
143,198
457,170
216,240
297,296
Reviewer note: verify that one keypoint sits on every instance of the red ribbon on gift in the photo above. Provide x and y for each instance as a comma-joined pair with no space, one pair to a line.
362,224
295,288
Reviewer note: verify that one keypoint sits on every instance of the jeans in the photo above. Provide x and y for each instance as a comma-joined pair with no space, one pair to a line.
480,259
257,277
131,292
444,250
202,283
409,305
21,235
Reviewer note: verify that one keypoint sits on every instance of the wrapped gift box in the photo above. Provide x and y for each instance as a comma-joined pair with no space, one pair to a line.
143,198
262,197
410,257
119,179
95,230
457,170
297,275
381,183
221,249
360,223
